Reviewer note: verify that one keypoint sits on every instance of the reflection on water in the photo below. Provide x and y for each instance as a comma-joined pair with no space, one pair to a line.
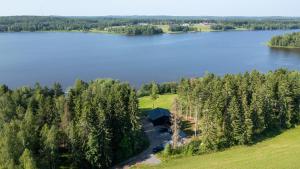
285,52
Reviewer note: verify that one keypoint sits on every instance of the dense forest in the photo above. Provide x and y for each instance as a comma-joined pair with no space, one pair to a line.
94,125
56,23
240,109
163,88
136,30
257,25
286,41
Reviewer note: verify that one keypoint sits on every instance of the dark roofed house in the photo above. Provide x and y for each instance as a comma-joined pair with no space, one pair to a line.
159,116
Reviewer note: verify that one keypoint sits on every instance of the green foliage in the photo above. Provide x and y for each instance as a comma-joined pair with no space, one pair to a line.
286,41
164,88
255,24
168,150
135,30
237,121
180,28
11,147
141,25
193,148
49,138
219,27
95,124
238,109
190,149
27,161
154,92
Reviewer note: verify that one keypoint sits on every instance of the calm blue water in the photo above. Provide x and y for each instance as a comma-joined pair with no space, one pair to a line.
26,58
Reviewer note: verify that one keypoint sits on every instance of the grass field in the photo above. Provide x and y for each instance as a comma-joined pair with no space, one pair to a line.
280,152
163,101
202,28
165,28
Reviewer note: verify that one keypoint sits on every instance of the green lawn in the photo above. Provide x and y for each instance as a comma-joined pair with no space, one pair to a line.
280,152
163,101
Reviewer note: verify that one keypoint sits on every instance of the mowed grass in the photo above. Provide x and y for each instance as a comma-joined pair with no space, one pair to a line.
280,152
163,101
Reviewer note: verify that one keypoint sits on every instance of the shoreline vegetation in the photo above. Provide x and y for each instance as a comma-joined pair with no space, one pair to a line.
287,41
142,25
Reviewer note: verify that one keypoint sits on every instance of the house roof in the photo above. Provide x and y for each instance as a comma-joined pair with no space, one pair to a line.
158,113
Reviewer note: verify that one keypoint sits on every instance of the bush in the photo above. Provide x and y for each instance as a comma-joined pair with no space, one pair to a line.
193,148
190,149
167,150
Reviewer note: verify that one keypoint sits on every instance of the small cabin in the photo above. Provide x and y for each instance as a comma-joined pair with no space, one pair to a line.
159,116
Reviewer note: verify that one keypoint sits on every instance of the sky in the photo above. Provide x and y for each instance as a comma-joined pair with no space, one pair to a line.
151,7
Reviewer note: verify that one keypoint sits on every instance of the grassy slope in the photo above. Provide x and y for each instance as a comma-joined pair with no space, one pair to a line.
164,101
280,152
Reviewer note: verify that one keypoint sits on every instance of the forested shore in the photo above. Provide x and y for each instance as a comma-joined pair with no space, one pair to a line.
239,109
142,25
291,40
135,30
94,125
97,125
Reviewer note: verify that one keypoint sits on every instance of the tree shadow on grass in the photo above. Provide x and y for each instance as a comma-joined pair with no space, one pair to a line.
267,135
144,112
187,127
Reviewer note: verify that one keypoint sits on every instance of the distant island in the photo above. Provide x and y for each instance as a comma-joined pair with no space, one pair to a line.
291,40
144,25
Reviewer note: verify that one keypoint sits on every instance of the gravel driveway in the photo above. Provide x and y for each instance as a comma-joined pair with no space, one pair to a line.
147,157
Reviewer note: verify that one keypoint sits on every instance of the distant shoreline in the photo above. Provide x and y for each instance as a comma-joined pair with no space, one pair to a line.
284,47
115,33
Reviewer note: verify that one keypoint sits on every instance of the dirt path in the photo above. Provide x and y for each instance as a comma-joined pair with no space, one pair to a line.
147,157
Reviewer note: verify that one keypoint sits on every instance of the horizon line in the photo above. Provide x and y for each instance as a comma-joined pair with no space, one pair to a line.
243,16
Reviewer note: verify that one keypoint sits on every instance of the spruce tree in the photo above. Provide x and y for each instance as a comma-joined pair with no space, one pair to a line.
237,121
27,161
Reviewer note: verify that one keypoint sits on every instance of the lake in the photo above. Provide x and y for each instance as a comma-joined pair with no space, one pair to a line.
48,57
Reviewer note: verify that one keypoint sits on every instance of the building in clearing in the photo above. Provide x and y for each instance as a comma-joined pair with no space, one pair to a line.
159,116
